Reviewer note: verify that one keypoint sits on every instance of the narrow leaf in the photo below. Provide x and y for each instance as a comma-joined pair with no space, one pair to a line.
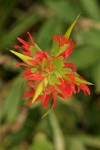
22,57
67,34
78,80
39,89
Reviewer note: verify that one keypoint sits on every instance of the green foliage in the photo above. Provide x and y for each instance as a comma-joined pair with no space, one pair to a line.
91,8
75,124
12,101
41,142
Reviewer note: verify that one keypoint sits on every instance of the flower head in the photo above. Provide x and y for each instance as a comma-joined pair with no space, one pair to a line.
47,72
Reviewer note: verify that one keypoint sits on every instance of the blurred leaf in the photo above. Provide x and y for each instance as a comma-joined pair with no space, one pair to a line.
13,100
46,33
41,142
63,9
84,56
91,7
20,26
96,76
59,143
5,11
76,144
91,141
92,37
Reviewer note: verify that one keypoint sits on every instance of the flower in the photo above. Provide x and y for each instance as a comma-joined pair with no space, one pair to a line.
47,72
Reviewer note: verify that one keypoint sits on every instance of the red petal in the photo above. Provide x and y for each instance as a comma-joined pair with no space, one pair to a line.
27,53
84,88
54,98
30,103
36,76
34,62
46,100
56,37
21,64
31,84
68,51
60,39
66,88
69,65
27,72
23,42
71,76
31,39
17,47
41,55
28,94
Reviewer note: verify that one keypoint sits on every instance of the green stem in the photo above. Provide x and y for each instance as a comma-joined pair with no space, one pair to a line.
57,132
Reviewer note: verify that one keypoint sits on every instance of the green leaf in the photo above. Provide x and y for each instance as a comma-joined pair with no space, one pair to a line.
63,9
22,57
78,80
55,48
62,49
46,33
62,71
91,7
13,100
39,89
45,63
84,56
76,144
92,37
53,79
96,76
41,142
20,26
5,11
68,32
58,63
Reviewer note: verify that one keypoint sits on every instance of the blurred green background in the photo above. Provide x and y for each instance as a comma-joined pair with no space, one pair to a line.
73,125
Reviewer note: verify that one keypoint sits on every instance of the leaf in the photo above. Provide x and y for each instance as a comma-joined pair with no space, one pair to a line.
59,141
67,34
55,48
39,89
41,142
46,32
78,80
45,63
96,76
34,49
13,100
76,144
4,15
53,79
84,56
58,63
20,26
62,49
63,9
22,57
91,37
91,8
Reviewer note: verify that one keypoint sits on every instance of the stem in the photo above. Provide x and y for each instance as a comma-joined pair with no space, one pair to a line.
58,136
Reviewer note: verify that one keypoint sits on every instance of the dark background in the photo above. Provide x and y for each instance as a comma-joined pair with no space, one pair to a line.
73,125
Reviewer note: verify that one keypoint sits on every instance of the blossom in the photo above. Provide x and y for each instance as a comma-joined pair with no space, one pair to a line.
48,74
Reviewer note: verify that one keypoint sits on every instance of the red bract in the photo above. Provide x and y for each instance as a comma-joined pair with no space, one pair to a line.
48,75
